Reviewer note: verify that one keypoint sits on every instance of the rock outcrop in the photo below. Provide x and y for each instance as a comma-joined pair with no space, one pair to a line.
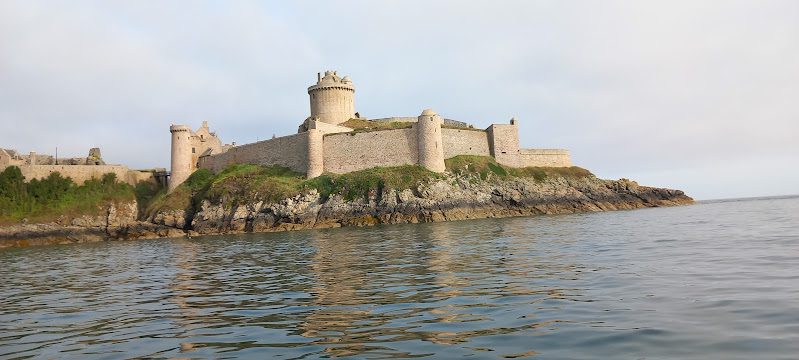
452,197
447,199
118,221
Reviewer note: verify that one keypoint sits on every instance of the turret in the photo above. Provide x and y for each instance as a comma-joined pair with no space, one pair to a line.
316,153
181,166
431,149
332,98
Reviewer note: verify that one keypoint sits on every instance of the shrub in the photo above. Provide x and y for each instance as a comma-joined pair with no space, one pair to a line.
54,196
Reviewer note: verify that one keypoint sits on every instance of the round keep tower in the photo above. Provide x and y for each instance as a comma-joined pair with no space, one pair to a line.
431,148
181,166
332,98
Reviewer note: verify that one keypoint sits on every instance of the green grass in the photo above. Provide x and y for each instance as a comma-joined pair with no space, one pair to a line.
244,183
47,199
359,184
486,167
360,125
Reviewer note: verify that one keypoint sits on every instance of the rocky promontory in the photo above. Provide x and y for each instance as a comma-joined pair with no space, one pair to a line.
448,198
251,198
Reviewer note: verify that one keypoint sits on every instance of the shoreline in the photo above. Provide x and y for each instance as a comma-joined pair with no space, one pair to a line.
452,198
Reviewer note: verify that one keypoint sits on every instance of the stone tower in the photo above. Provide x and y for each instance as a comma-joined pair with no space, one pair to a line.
316,153
431,149
332,98
182,165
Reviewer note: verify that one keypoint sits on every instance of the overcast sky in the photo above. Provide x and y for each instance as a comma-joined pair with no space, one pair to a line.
697,95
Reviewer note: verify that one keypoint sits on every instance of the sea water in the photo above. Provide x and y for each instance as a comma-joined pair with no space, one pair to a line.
712,280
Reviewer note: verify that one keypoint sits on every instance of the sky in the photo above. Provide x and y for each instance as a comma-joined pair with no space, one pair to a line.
701,96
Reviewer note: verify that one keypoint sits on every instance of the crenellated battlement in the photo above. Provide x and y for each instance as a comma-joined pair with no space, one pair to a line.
332,98
179,128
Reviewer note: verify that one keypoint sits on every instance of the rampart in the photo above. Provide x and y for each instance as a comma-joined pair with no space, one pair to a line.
464,142
348,152
289,151
543,157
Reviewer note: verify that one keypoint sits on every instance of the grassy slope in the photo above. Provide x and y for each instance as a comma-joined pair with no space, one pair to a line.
486,167
245,183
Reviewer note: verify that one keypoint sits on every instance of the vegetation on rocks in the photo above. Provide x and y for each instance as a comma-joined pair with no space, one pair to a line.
487,168
359,184
47,199
248,184
245,183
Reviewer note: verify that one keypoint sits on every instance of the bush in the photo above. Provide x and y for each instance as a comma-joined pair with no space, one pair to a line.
359,184
55,195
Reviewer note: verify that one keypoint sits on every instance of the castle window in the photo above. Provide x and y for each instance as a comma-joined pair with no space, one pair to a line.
192,150
202,137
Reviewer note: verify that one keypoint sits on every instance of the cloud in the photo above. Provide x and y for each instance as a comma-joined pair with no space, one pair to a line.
631,88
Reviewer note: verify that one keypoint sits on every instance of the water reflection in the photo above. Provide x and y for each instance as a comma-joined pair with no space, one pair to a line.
587,286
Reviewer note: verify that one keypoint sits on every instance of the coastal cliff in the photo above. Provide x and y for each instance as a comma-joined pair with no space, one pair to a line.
251,198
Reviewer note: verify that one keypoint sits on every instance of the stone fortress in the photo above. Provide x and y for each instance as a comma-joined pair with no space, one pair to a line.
324,142
79,169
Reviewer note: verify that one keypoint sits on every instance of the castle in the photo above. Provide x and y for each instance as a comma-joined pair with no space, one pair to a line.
336,139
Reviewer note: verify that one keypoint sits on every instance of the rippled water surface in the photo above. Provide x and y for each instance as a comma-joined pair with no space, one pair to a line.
714,280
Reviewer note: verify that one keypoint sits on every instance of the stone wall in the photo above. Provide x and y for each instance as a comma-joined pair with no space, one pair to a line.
289,151
351,152
81,173
464,142
544,157
503,143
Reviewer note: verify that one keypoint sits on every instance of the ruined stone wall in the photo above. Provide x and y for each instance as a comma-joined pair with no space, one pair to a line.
6,159
289,151
464,142
544,157
81,173
351,152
